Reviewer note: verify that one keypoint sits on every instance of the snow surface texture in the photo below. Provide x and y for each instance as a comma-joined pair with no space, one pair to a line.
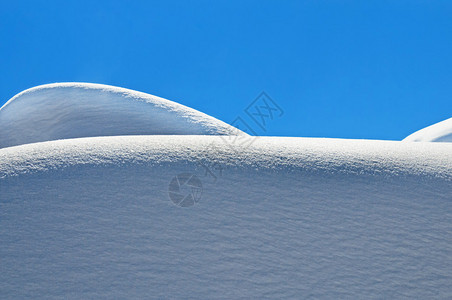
285,218
204,217
439,132
72,110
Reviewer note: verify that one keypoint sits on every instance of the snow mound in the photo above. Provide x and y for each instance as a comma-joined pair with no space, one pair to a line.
283,218
439,132
74,110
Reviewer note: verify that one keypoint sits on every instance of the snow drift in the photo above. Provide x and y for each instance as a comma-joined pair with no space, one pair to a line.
192,216
72,110
439,132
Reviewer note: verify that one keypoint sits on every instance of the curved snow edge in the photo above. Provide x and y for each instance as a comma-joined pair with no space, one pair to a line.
74,110
438,132
274,154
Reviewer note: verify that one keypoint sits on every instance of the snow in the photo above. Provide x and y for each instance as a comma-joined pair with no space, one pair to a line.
72,110
286,218
207,216
439,132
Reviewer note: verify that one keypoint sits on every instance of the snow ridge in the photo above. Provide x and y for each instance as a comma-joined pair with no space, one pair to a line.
287,218
74,110
439,132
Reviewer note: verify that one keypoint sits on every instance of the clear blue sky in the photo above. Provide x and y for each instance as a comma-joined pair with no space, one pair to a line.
349,69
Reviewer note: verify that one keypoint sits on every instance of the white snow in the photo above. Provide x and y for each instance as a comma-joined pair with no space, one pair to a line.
439,132
73,110
95,217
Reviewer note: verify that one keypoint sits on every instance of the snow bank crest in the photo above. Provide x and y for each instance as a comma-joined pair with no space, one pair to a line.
439,132
74,110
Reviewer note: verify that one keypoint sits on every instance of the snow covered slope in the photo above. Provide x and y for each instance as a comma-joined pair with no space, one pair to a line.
110,193
72,110
283,218
439,132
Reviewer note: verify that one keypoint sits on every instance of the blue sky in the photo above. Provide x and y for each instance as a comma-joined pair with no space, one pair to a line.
346,69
